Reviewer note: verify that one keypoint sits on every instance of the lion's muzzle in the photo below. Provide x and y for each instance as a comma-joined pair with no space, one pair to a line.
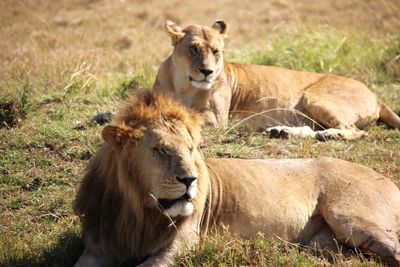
168,203
181,206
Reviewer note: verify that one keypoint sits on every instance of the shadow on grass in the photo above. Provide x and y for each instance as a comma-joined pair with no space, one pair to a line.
65,253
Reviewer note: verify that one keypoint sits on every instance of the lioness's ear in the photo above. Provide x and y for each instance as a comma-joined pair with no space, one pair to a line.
118,136
174,31
221,27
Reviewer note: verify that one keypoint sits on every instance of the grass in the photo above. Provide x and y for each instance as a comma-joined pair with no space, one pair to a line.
49,95
14,108
374,61
224,249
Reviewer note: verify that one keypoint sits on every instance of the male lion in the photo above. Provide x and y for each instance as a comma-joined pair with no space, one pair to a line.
148,192
196,75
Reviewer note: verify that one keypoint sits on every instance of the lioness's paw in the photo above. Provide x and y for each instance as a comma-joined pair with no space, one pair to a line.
335,134
210,120
323,136
287,132
278,132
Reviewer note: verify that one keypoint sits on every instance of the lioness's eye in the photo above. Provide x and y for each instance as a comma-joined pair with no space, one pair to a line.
215,51
194,49
191,149
160,151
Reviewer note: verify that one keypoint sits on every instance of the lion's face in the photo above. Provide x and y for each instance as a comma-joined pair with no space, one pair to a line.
172,179
198,52
166,152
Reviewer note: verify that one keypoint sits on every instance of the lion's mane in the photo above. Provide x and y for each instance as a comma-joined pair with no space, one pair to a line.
111,217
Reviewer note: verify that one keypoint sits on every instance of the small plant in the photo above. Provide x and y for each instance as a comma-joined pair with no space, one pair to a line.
80,81
134,81
14,108
123,89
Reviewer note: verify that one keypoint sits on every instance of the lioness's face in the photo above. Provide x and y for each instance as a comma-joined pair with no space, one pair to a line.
198,53
171,174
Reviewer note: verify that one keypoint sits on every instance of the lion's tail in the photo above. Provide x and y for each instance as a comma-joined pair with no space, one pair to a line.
388,116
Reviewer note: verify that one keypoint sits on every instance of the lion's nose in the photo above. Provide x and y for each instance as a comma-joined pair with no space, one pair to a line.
206,72
187,180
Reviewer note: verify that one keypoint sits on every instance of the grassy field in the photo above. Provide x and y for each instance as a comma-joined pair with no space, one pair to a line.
63,61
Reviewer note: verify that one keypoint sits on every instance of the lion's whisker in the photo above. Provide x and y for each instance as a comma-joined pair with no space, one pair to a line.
163,211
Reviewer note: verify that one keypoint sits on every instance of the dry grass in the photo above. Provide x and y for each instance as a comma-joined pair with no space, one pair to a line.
62,61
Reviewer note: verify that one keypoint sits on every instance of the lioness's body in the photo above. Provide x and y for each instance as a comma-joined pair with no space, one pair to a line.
279,96
148,193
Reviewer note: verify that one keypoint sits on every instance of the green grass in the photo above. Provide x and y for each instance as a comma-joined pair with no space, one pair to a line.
47,135
224,249
14,108
374,61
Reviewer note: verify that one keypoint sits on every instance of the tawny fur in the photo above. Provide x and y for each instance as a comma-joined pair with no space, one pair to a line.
279,96
309,201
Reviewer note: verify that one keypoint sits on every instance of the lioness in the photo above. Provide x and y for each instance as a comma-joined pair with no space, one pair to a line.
148,192
196,75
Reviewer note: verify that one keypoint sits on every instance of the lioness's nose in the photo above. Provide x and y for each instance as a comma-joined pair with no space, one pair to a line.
187,180
206,72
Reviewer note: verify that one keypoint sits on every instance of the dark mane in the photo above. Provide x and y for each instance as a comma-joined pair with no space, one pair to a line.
113,216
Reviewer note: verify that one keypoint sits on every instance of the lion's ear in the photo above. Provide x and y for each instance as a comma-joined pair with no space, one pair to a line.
221,27
118,136
114,135
174,31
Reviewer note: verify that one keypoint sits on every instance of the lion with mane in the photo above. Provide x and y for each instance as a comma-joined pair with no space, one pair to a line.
148,193
285,102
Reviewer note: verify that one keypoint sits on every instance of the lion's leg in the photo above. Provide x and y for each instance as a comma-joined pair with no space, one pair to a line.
366,235
324,243
324,239
88,259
